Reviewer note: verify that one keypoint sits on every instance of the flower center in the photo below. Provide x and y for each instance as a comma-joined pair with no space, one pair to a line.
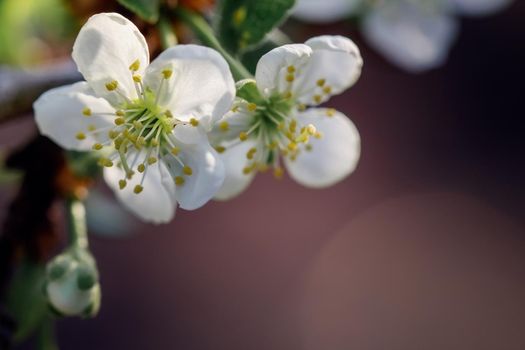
142,133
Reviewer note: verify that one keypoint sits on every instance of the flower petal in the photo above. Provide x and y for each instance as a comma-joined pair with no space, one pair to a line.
230,126
325,11
480,7
333,157
335,65
105,48
235,161
156,203
200,86
312,72
207,174
409,36
59,115
272,69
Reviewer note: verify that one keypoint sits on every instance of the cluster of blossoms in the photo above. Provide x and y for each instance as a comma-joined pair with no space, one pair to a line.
179,131
415,35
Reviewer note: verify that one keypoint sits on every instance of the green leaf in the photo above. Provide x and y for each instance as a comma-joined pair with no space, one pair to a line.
26,301
148,10
245,23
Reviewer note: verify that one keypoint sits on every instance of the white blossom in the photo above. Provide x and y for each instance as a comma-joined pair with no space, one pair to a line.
149,120
274,122
415,35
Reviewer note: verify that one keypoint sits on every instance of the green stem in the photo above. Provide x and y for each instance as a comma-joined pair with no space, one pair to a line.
76,215
46,335
167,35
205,33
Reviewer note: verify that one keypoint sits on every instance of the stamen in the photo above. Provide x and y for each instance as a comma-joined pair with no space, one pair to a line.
80,136
251,107
86,111
138,189
179,180
187,170
122,184
224,126
321,82
220,149
134,66
112,85
166,73
194,122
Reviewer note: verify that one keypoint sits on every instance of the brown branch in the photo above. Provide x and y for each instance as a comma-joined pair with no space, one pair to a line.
20,88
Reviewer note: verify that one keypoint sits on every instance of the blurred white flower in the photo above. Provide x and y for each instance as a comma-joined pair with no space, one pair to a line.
149,120
415,35
72,286
271,119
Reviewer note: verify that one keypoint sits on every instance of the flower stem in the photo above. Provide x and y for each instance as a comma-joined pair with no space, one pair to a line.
76,215
167,35
205,33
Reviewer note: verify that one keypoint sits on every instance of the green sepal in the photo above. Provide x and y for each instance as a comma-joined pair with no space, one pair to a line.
245,23
247,90
148,10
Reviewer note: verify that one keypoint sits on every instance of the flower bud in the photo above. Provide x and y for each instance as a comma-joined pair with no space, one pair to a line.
72,286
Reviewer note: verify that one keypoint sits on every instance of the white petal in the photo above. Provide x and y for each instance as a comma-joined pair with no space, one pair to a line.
234,160
105,48
156,203
336,61
58,114
206,178
230,126
410,37
325,11
333,157
188,134
271,71
480,7
201,85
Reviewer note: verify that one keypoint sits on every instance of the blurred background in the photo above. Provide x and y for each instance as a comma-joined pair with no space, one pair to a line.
423,247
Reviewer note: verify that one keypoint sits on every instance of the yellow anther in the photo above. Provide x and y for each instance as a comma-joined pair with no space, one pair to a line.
105,162
317,98
308,147
290,78
122,184
187,170
120,113
152,160
137,78
119,121
141,141
175,151
292,146
272,145
251,152
290,69
80,136
278,172
194,122
224,126
137,124
262,167
166,73
247,170
113,134
301,107
141,168
281,126
289,135
327,89
86,111
330,112
97,147
220,149
179,180
134,66
288,94
138,189
311,129
91,127
293,126
318,135
129,174
154,142
112,85
251,107
243,136
321,82
239,15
